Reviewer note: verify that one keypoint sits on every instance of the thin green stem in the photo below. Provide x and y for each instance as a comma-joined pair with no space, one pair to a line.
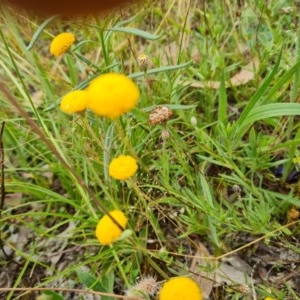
119,264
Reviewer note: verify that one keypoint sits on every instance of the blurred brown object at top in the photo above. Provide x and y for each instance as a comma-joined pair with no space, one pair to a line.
66,8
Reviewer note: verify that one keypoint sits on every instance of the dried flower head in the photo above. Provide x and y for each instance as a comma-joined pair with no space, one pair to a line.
144,288
143,62
111,95
293,213
122,167
236,189
61,43
165,134
182,288
75,101
243,289
160,115
107,231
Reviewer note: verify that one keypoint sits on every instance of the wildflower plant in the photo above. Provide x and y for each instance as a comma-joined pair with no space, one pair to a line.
187,168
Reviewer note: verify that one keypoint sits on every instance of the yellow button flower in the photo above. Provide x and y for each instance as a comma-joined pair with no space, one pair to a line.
74,101
107,231
122,167
61,43
112,94
180,288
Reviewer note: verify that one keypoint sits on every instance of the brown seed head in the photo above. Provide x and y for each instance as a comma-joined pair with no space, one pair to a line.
143,62
159,115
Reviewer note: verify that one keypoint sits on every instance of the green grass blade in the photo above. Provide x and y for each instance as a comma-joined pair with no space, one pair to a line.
269,111
161,69
256,97
37,34
222,110
283,80
272,110
53,295
134,31
91,282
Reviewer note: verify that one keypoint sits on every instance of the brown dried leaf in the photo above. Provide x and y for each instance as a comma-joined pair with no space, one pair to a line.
211,84
234,271
36,98
242,77
14,199
246,74
202,265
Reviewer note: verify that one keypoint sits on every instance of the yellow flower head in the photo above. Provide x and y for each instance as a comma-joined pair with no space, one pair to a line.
61,43
107,231
74,101
180,288
269,298
112,94
122,167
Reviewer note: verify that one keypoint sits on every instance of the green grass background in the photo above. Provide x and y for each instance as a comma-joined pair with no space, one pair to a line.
184,185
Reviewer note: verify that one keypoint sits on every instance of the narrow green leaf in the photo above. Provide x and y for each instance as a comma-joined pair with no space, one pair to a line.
80,44
54,295
125,22
93,283
38,32
269,111
272,110
283,80
222,110
161,69
257,96
108,142
138,32
86,61
90,281
73,73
